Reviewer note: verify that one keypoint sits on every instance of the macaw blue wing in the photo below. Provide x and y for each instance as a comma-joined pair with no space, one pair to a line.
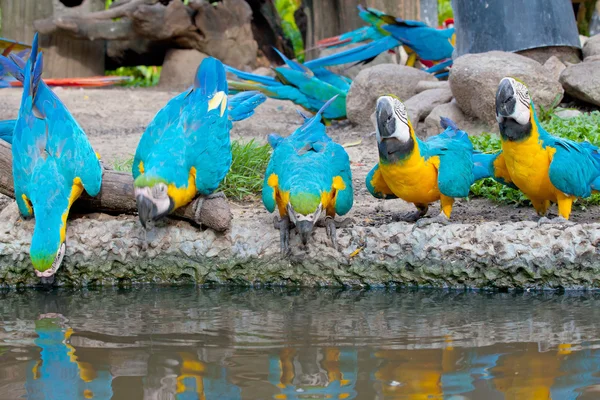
341,82
357,54
6,129
377,186
491,166
455,152
248,76
574,167
242,105
429,43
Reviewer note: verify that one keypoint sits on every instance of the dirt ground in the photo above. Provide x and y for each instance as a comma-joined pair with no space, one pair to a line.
115,118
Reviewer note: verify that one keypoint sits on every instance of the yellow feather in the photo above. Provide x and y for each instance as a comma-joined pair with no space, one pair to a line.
76,190
182,196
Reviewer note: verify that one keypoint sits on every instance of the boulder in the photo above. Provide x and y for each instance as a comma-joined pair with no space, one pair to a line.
555,67
420,105
350,70
563,53
264,71
475,77
380,80
426,85
179,69
568,113
431,126
592,58
582,81
592,47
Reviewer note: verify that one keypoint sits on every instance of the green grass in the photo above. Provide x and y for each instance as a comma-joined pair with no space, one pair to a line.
142,76
584,127
245,178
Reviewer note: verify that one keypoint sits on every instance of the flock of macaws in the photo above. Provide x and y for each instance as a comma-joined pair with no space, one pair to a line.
185,153
311,85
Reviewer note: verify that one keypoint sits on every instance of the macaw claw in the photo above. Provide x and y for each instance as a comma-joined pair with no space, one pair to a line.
331,232
440,219
284,226
411,216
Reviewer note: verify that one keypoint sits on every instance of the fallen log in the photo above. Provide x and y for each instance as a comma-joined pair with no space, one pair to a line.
116,197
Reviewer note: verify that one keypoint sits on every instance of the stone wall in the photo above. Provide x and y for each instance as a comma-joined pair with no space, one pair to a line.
110,250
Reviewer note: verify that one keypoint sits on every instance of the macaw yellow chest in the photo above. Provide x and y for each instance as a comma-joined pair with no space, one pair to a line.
414,180
528,164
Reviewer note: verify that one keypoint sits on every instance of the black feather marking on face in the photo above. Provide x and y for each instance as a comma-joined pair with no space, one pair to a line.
392,150
512,131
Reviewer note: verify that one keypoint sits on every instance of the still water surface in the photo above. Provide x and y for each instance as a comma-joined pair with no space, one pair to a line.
191,343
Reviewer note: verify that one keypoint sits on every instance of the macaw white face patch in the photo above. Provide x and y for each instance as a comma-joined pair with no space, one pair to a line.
55,265
158,195
297,217
401,128
523,100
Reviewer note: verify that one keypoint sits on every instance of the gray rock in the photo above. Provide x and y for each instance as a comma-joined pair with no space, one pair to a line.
377,81
475,78
420,105
105,250
431,126
591,47
179,69
592,58
555,67
352,71
427,85
563,53
583,40
264,71
568,113
582,81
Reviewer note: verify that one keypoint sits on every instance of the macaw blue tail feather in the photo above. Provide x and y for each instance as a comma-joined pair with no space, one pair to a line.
364,52
265,80
274,139
210,77
242,105
448,123
440,66
6,130
9,65
483,165
32,78
291,63
317,117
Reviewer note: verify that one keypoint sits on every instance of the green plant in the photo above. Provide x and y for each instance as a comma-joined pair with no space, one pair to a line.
546,114
249,163
584,127
245,178
444,10
141,76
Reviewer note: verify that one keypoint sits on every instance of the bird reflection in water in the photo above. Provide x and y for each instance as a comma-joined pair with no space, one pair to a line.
58,373
314,373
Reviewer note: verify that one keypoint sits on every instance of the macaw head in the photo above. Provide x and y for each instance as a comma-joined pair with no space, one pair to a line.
152,198
48,245
513,109
304,210
395,135
448,23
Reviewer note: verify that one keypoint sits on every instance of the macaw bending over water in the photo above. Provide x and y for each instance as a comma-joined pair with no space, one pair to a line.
186,151
305,87
544,167
419,172
308,174
53,162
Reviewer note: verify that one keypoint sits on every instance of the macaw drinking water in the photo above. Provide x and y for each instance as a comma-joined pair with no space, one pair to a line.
53,163
308,174
420,172
186,150
544,167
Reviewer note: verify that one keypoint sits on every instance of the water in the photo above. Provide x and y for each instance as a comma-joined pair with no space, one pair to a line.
190,343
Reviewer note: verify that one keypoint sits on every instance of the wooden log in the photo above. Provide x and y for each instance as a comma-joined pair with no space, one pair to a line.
116,197
86,29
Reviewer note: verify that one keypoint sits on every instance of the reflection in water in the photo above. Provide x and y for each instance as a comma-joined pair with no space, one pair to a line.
58,374
314,373
189,343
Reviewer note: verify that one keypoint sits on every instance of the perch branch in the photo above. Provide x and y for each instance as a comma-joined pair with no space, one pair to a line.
116,196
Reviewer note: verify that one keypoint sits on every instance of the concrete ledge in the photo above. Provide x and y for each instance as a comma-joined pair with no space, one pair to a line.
107,250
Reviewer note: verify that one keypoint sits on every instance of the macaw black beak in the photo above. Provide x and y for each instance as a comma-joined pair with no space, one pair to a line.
386,123
305,229
146,209
505,99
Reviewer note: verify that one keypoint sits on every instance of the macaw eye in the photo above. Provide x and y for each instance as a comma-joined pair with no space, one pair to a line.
159,191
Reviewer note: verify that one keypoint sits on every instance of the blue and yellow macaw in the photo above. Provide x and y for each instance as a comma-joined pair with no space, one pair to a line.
308,88
387,32
308,174
6,129
544,167
419,172
186,150
53,162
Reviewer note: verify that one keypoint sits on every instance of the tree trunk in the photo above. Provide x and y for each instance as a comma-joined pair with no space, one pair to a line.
116,197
